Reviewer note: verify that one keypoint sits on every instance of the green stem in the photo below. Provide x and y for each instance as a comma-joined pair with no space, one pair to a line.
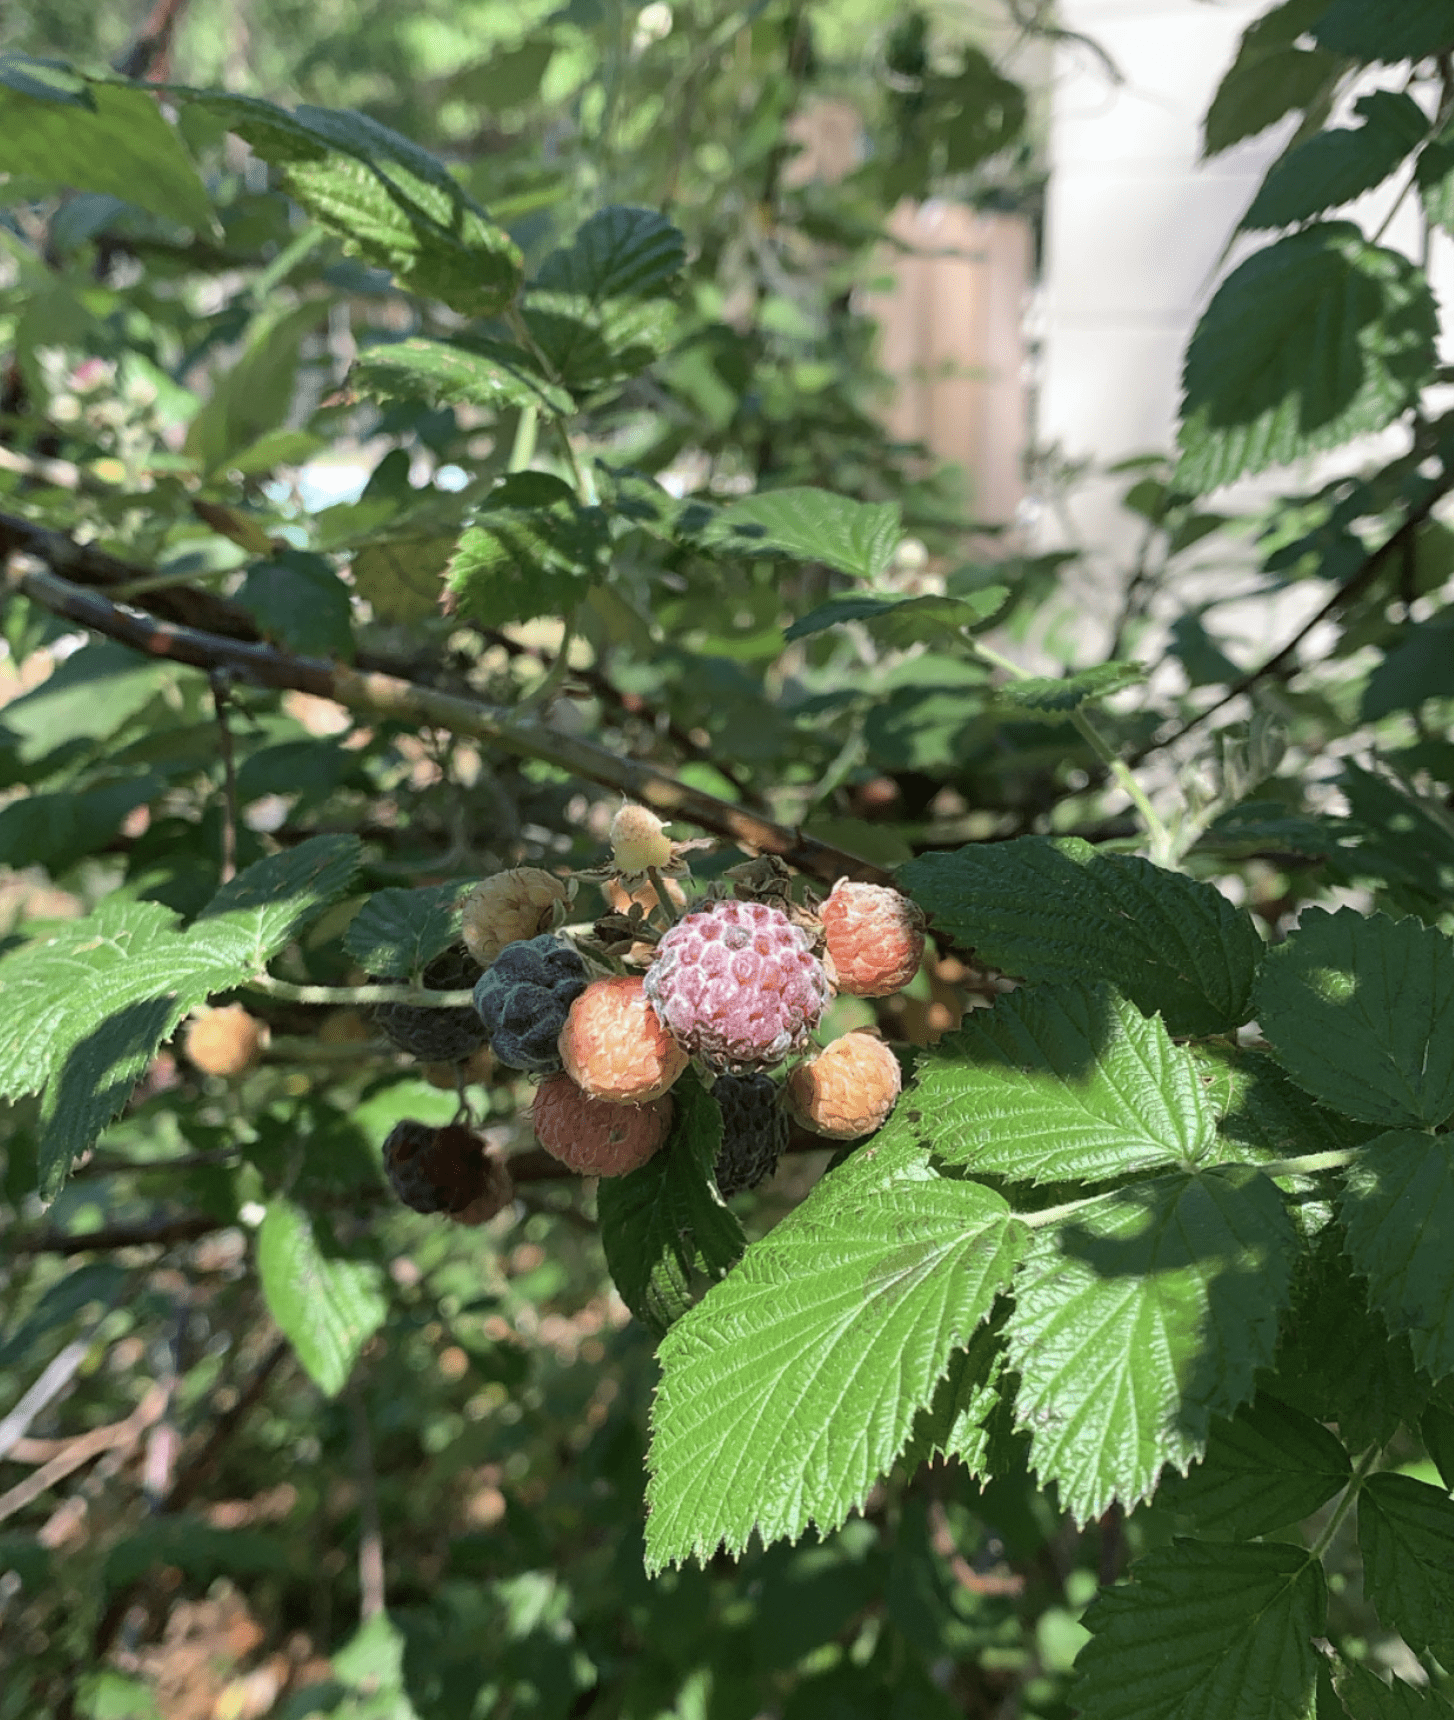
286,992
663,901
1159,837
522,450
1341,1509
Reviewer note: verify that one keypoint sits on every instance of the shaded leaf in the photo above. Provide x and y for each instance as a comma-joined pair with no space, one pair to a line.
1406,1536
814,525
480,373
1335,167
1062,911
398,932
1270,76
1360,1012
902,621
534,550
300,603
1386,30
1266,1467
1137,1319
1053,695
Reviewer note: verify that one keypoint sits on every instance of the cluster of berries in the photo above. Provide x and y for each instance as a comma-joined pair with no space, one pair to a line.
736,983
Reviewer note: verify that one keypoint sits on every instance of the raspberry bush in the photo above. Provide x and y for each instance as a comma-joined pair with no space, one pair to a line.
643,1073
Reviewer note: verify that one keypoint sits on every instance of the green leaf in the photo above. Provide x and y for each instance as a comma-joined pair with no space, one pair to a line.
664,1227
1366,1697
534,550
814,525
957,1422
903,621
1360,1012
1206,1631
1270,76
1261,1115
83,1012
1418,666
792,1386
1053,695
46,80
619,253
592,346
327,1309
254,397
1435,179
1398,1210
93,694
269,903
1311,341
1059,910
402,579
392,202
482,373
1406,1536
1335,167
1139,1318
398,932
1337,1360
1437,1431
300,603
1267,1467
116,142
1386,30
1055,1083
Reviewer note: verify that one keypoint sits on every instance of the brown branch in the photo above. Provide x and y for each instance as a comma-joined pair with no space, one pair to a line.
185,1229
75,1452
150,54
388,696
1354,586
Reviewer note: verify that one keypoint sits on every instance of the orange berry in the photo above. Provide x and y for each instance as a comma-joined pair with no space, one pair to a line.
848,1089
614,1047
225,1041
875,938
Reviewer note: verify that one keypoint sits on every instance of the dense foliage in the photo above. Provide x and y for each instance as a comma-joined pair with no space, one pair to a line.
1116,1371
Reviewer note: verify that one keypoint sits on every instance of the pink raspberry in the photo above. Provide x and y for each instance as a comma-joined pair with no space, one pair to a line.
875,938
593,1136
738,984
613,1046
848,1089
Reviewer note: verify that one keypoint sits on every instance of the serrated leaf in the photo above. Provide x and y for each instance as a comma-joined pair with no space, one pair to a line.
1436,1428
1334,167
902,621
1270,76
1266,1467
266,905
792,1386
1398,1210
83,1012
1260,1114
115,142
1360,1012
392,202
1059,910
956,1422
664,1227
1337,1360
1137,1319
1056,1083
1406,1536
534,550
327,1309
1366,1696
1386,30
402,579
398,932
482,373
858,538
1053,695
1311,341
620,252
1201,1632
591,346
251,400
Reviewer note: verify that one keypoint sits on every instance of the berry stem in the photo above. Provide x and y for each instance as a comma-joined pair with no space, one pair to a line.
663,901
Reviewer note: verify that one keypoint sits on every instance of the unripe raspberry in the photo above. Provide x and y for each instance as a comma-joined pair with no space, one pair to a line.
225,1041
737,983
593,1136
848,1089
613,1047
445,1170
754,1131
875,938
638,840
437,1035
509,908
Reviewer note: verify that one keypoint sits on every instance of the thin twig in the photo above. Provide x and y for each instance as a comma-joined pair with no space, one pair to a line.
218,682
389,696
82,1449
370,1537
57,1375
185,1229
